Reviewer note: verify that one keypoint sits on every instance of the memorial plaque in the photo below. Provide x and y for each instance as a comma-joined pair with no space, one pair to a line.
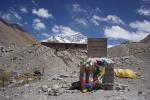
97,47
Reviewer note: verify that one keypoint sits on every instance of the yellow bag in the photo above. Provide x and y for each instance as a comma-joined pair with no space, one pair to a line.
118,72
124,73
129,73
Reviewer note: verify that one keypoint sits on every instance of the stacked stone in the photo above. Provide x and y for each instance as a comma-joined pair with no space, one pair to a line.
93,71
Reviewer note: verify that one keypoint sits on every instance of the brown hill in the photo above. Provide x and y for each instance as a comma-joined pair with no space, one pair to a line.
146,40
134,49
140,50
14,34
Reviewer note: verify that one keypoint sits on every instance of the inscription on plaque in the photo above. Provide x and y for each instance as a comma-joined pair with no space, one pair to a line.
97,47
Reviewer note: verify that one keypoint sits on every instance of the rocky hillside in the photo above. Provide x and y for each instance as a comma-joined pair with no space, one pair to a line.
19,55
138,49
60,69
13,34
146,40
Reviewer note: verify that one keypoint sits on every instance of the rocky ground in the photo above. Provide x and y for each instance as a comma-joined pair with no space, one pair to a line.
30,71
60,69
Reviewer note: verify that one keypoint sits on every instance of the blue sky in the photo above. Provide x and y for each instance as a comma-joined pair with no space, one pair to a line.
118,20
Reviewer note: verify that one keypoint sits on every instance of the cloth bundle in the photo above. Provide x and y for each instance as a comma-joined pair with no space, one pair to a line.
92,71
124,73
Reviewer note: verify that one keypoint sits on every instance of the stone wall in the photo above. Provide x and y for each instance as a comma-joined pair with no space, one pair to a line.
65,45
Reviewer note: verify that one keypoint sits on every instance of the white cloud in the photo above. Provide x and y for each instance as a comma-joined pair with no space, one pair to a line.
110,18
145,12
33,2
82,15
116,32
59,29
81,21
11,16
42,12
45,35
38,25
95,20
17,16
6,16
114,19
141,26
14,14
23,10
77,8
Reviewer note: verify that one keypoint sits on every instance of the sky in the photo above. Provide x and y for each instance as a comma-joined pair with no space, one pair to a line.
118,20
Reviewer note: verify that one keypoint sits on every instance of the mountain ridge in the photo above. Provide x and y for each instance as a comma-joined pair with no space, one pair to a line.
67,38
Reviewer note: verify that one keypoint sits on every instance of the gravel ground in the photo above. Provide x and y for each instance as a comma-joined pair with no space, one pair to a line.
61,69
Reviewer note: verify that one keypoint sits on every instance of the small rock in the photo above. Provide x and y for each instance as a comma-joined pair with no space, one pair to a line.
74,91
139,68
15,95
44,88
128,89
74,72
64,75
20,81
14,58
59,92
27,68
140,93
118,88
30,79
122,87
55,92
26,85
12,80
66,86
25,96
1,49
40,90
37,73
49,89
22,92
72,76
67,70
56,78
55,87
29,51
67,91
7,97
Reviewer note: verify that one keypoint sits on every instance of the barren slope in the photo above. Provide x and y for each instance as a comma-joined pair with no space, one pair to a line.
11,34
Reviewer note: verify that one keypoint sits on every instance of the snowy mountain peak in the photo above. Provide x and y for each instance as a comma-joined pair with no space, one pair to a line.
66,35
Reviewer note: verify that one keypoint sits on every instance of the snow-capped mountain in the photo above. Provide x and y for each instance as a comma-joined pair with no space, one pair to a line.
66,35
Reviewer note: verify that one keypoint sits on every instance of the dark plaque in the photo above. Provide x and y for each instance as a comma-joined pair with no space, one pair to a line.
97,47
